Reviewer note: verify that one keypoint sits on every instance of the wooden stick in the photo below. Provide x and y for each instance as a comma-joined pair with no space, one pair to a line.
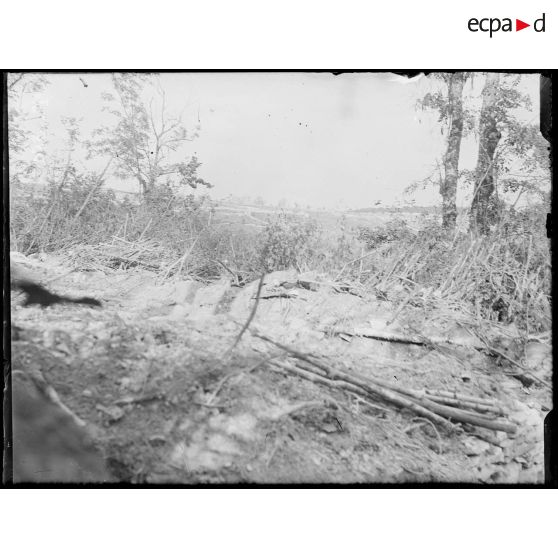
418,403
439,409
382,335
393,398
250,317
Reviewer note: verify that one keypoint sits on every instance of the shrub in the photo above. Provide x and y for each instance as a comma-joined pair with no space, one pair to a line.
59,217
394,229
504,276
288,241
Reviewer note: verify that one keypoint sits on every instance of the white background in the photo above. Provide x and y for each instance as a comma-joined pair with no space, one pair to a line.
262,523
278,523
272,34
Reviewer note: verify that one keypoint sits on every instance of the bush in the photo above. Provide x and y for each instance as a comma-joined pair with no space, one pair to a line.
394,229
288,242
504,276
59,217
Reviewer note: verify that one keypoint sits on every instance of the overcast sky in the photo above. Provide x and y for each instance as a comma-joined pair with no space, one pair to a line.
319,139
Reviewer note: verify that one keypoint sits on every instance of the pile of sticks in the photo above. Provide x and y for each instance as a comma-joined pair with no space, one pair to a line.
122,254
441,407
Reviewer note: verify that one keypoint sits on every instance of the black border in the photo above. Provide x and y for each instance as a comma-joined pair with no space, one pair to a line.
548,117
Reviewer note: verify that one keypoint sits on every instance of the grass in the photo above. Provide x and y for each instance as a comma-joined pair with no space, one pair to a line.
504,277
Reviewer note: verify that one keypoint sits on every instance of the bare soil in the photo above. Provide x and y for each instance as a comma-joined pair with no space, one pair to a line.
166,400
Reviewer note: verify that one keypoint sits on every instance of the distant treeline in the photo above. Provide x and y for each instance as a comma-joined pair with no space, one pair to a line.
422,209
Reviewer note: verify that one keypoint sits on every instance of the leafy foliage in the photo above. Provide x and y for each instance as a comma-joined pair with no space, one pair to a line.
439,102
503,277
288,241
44,220
394,229
145,141
20,85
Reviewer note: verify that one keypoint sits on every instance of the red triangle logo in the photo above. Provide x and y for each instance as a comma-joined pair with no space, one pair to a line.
519,25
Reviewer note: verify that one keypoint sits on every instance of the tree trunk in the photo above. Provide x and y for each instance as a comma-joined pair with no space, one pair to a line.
143,186
448,187
482,214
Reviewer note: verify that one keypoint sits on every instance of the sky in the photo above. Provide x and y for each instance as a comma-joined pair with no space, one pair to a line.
317,139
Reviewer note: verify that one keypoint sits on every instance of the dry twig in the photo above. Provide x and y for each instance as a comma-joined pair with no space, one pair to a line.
250,317
417,402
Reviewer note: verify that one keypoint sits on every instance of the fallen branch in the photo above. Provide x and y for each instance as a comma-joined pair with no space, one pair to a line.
453,402
379,386
368,333
382,335
483,405
130,400
455,395
250,317
414,400
279,295
40,382
346,386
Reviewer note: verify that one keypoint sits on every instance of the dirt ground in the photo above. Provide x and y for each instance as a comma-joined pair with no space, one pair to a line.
167,400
